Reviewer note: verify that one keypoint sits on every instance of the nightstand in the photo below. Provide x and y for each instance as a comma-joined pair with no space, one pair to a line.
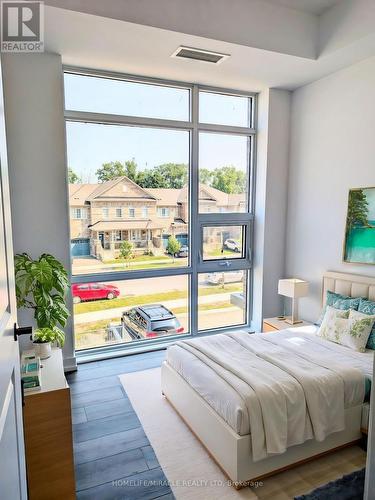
275,324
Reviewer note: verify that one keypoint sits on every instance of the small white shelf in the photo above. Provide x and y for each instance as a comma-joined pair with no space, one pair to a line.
52,373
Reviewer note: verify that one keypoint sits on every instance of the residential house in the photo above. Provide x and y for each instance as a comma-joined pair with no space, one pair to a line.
104,215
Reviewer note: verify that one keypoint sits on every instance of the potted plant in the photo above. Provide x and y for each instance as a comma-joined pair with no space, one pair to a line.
41,285
44,338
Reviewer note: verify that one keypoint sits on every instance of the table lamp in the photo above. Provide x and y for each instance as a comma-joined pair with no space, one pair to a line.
293,288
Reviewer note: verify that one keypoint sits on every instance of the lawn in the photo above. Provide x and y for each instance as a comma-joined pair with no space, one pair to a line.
138,258
101,305
133,266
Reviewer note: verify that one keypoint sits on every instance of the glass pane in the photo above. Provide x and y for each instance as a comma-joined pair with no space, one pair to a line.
223,173
223,242
128,195
124,311
222,299
118,97
224,109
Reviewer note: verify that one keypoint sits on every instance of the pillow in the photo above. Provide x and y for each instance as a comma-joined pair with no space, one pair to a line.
339,301
349,328
368,307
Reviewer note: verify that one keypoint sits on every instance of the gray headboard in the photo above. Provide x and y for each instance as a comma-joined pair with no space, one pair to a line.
353,285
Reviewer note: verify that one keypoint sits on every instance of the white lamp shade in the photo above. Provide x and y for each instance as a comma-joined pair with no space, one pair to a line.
293,288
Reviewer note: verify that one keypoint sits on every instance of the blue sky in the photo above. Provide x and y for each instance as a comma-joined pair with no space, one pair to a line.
90,145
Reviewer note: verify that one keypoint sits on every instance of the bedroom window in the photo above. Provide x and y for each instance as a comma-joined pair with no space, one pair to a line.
157,276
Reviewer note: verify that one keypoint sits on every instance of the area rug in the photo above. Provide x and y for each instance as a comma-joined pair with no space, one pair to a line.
349,487
193,475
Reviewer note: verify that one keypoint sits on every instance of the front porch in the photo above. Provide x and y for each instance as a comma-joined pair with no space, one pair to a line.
145,236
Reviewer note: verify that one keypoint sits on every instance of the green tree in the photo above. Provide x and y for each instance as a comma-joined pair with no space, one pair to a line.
126,250
205,176
173,246
357,210
113,169
174,174
229,180
73,178
151,178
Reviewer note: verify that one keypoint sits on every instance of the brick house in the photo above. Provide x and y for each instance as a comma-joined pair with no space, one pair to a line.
104,215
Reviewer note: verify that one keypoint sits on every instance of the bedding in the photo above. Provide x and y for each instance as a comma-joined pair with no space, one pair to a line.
368,307
284,387
350,328
338,301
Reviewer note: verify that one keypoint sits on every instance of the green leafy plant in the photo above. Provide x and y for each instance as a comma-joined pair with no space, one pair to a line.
41,285
42,335
173,246
126,250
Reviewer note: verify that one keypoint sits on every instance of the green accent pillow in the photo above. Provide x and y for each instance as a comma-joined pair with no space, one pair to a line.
347,327
368,307
338,301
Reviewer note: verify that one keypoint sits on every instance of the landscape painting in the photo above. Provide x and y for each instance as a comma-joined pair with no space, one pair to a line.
360,227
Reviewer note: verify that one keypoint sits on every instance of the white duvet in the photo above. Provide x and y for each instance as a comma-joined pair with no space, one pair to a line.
289,385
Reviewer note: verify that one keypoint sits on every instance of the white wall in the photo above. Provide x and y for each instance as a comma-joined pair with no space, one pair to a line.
332,150
271,202
34,109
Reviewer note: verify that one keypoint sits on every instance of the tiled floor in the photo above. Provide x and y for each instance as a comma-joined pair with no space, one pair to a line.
113,457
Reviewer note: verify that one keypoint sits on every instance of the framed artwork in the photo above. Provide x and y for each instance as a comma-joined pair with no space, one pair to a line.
359,245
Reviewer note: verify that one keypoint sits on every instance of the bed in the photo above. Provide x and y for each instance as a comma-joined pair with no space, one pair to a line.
232,422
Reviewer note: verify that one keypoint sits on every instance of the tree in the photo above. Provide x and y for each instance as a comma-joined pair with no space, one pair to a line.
174,174
173,246
205,176
113,169
73,178
126,250
229,180
357,210
151,179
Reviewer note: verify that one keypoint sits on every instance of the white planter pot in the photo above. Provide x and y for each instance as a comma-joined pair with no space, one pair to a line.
43,349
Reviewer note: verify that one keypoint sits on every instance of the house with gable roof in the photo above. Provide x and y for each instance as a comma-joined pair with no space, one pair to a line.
104,215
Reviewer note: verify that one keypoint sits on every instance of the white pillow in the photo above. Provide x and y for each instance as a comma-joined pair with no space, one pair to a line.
351,329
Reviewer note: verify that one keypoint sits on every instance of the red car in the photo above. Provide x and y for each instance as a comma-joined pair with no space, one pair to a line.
94,291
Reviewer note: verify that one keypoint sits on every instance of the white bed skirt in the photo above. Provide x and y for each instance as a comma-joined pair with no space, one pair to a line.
231,451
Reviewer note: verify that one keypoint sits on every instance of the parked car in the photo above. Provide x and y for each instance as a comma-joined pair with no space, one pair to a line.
150,321
226,277
233,245
183,252
93,291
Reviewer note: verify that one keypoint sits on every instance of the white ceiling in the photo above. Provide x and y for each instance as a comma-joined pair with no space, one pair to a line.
313,6
90,41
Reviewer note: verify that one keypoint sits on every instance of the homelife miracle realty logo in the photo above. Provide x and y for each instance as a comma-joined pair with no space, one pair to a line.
22,26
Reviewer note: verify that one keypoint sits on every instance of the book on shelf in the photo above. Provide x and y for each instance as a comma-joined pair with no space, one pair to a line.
30,372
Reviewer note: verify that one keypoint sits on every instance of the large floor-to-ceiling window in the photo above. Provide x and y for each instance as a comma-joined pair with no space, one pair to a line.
161,193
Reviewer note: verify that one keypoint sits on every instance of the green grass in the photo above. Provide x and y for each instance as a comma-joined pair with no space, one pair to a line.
101,305
156,265
138,258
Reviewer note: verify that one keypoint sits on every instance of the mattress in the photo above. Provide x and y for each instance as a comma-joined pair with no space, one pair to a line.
227,402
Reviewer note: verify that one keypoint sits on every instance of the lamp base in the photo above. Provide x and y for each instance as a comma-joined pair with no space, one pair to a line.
292,321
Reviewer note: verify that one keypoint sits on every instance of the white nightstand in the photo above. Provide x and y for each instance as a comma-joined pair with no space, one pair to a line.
275,324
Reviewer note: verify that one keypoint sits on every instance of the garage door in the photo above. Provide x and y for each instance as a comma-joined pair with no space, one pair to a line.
80,247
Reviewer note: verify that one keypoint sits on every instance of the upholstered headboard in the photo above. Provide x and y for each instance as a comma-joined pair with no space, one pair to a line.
353,285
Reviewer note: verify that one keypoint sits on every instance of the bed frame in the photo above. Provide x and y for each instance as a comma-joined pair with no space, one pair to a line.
231,451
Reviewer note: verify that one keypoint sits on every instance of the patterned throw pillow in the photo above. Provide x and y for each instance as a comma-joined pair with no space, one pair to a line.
339,301
368,307
348,328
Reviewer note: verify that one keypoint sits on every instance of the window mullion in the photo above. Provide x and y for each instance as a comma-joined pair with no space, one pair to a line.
194,227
